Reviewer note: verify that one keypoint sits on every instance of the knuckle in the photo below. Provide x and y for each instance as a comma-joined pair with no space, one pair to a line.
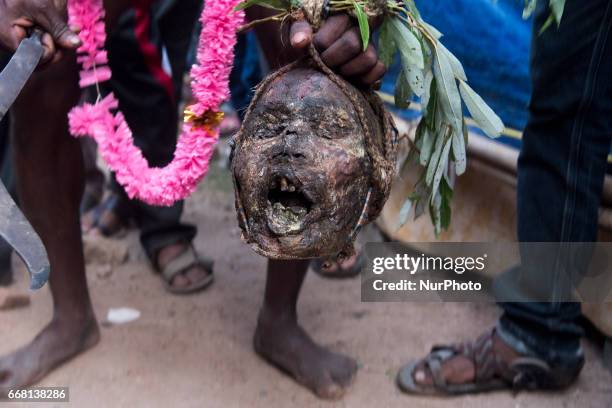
58,29
370,59
321,41
351,42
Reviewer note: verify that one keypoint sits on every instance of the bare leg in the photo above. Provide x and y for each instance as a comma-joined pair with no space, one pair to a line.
50,184
280,340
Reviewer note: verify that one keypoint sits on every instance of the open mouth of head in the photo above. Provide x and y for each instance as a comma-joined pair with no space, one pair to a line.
288,206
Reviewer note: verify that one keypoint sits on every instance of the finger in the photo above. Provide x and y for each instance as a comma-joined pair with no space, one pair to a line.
16,35
375,74
331,30
48,48
57,56
52,22
347,47
362,64
301,34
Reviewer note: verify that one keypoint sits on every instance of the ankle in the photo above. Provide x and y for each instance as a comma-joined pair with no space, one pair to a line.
75,317
276,317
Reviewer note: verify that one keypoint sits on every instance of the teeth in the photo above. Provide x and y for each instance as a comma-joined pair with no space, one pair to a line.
284,184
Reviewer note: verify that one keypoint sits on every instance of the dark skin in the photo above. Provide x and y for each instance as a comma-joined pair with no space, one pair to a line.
279,338
50,184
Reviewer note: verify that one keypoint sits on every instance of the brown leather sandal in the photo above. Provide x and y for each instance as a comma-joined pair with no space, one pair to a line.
523,373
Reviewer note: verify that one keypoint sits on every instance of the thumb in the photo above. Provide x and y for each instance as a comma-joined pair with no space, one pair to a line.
300,34
53,23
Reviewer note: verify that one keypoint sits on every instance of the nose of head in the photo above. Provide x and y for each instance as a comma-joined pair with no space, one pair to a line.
293,146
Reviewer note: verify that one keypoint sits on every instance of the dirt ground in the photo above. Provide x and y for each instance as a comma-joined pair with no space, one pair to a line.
195,351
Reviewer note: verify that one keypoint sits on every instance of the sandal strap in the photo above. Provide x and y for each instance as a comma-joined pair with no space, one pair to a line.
184,261
434,362
487,364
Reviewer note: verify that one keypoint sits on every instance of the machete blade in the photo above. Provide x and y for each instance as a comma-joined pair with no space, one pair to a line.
14,227
19,69
19,234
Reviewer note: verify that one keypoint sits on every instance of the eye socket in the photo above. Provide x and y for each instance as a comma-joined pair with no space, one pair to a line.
333,124
269,125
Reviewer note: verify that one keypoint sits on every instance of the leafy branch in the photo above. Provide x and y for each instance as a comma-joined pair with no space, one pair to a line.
556,12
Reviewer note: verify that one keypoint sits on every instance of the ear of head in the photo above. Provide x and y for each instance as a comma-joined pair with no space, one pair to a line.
303,166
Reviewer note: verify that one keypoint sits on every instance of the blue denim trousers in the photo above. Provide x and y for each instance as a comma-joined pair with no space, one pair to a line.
563,162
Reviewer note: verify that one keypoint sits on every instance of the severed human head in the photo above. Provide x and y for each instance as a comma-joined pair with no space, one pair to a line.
312,163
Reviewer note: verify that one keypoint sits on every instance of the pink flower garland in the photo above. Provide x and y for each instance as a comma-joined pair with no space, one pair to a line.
210,77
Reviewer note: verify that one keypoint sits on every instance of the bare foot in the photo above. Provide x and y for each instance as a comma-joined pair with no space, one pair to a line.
189,277
55,344
286,345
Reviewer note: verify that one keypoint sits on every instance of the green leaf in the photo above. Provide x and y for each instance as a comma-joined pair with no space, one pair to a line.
419,208
415,79
402,92
447,87
454,61
404,212
364,27
408,44
273,4
530,6
459,152
446,190
432,30
547,24
386,44
419,203
434,213
488,121
427,146
435,157
446,194
451,105
557,7
429,90
412,8
442,165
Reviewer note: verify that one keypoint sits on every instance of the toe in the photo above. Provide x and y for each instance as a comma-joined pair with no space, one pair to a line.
328,389
180,281
344,371
196,274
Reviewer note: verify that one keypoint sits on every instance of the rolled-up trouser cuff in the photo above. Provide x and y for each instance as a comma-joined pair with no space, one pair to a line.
568,353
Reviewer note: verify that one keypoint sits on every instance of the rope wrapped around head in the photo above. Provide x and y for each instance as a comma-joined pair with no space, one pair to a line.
382,153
